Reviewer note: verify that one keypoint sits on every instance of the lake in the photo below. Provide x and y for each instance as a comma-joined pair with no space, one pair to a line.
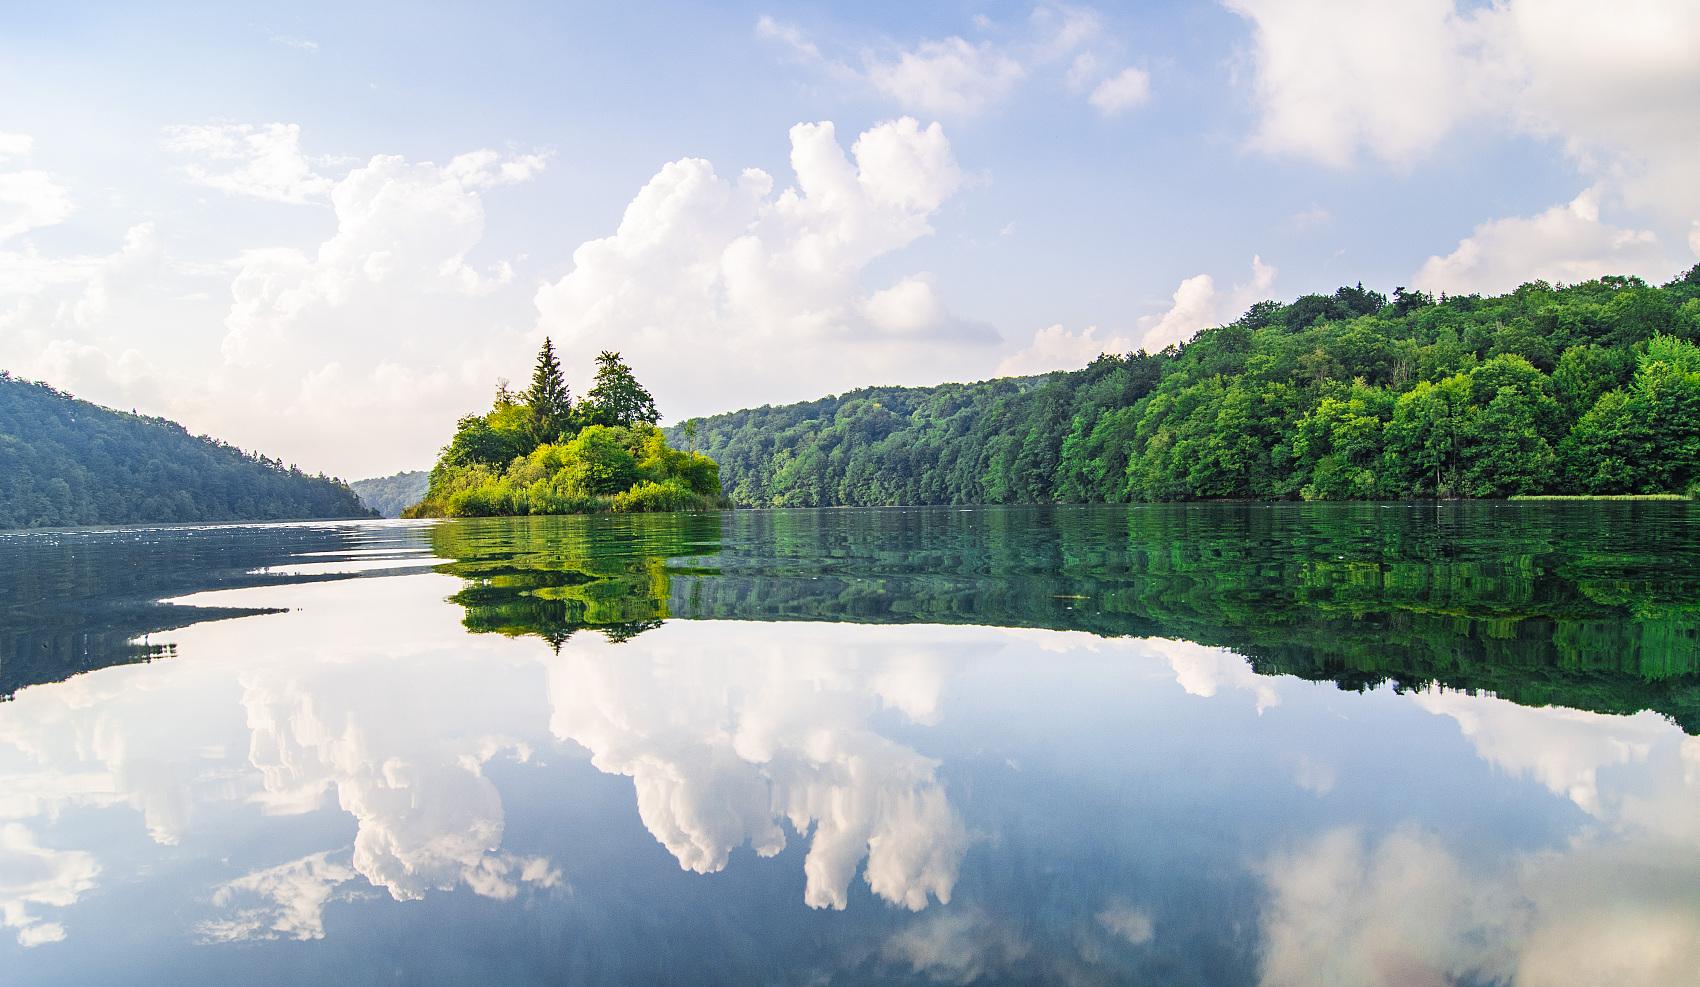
1221,744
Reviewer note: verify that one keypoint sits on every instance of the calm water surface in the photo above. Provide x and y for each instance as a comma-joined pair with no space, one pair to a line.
1412,744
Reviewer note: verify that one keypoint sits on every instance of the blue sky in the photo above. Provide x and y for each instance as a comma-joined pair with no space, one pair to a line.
324,231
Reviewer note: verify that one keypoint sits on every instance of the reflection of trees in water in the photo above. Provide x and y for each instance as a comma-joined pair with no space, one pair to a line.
1595,606
75,601
554,576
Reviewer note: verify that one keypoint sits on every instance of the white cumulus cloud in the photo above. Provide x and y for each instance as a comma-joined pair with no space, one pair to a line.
402,227
1197,304
394,294
15,145
950,76
394,315
29,199
1121,92
747,281
1335,77
1613,85
1567,243
954,76
241,159
1055,348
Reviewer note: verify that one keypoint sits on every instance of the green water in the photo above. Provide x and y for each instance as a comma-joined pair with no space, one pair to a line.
1209,744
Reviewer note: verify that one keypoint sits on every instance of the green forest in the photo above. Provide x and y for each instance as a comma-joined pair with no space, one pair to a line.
67,462
1592,388
539,452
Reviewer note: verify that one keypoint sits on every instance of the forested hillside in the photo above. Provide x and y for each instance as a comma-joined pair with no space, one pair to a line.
68,462
390,495
1591,388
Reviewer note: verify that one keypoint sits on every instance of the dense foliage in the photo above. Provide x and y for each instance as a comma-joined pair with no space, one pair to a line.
390,495
1591,388
68,462
540,453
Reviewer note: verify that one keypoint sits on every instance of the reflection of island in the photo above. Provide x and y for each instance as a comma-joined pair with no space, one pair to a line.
554,576
1596,607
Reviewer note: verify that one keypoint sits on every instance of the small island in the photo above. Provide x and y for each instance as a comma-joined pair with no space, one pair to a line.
538,452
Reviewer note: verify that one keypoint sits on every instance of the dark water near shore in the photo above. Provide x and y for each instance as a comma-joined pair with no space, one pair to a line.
1219,744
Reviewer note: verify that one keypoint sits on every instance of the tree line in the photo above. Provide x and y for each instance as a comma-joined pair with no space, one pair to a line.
539,452
67,462
1591,388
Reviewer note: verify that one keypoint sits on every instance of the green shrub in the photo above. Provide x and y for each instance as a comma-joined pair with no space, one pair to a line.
550,497
651,496
596,461
489,499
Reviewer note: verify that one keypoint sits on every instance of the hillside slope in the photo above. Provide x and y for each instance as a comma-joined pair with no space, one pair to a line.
68,462
1588,388
388,495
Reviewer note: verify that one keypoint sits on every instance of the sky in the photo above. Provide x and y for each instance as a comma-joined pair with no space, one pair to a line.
325,231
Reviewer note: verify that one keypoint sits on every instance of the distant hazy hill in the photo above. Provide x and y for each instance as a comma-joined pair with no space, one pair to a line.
389,494
68,462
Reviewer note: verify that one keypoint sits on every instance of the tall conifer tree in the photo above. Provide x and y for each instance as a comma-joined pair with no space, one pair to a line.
551,403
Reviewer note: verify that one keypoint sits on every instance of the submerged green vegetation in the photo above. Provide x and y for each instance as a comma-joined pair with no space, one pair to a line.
538,452
1591,388
66,462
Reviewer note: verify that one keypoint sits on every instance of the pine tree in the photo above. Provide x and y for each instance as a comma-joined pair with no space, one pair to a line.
551,403
617,398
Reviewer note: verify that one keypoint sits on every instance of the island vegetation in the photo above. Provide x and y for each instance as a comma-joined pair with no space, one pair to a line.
539,452
1584,389
66,462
